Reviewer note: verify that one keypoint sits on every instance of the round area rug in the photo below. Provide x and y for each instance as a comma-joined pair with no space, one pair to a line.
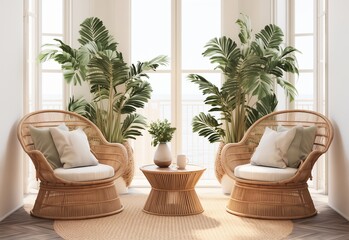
133,224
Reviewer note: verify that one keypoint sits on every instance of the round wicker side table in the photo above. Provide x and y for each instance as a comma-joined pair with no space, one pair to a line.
173,190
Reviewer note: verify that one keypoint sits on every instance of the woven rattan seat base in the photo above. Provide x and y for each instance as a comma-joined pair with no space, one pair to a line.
271,202
77,202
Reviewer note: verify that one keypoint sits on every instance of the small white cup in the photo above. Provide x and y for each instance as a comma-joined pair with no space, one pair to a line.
181,161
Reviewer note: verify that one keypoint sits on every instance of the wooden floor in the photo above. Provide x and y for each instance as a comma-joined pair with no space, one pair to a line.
326,225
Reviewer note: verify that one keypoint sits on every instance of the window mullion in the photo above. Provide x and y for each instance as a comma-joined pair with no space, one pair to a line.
176,79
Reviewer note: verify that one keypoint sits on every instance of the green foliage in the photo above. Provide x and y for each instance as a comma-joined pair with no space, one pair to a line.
117,90
161,131
251,70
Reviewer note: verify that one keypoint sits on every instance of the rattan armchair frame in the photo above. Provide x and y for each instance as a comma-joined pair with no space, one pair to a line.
61,199
287,199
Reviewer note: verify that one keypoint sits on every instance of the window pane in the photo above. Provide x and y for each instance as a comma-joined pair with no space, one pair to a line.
161,85
200,23
52,91
31,5
305,87
151,29
305,45
304,14
52,17
198,148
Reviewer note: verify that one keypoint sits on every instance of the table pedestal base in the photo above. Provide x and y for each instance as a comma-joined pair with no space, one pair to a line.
173,203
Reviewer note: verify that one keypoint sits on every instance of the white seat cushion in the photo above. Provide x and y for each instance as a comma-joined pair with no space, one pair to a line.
89,173
261,173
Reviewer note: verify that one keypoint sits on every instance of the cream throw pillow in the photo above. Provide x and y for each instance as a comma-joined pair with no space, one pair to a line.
272,148
73,148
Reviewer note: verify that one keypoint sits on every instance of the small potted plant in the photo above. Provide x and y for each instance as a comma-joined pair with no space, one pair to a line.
161,132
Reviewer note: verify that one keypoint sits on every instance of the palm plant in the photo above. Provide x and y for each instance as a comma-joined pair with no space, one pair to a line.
251,71
117,90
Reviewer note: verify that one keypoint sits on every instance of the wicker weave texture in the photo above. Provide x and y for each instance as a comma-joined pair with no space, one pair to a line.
173,191
287,199
130,168
62,199
76,202
284,202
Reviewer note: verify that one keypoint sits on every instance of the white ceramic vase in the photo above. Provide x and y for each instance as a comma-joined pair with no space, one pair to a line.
162,156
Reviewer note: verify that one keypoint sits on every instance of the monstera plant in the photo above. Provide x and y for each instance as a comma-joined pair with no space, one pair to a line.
116,89
251,70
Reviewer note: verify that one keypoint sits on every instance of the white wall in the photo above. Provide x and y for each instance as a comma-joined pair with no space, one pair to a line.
11,102
259,11
338,85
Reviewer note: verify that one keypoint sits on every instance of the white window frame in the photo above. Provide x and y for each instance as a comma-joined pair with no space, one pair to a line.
176,72
36,72
284,16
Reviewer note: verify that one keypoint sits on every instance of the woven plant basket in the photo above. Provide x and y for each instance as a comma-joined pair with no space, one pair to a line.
219,171
130,169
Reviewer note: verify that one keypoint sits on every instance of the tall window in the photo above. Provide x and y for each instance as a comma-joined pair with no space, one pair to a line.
304,23
43,83
308,41
309,17
179,29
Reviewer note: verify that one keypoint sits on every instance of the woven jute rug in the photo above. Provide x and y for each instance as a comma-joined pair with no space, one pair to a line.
133,224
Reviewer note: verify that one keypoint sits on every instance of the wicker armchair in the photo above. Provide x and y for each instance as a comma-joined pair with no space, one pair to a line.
61,199
286,199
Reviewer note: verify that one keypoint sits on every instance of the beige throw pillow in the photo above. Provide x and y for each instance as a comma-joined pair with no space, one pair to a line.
272,148
73,148
301,146
43,142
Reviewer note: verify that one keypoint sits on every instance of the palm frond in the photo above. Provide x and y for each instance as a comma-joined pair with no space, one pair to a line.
81,107
288,60
73,62
290,89
263,107
207,126
93,30
78,106
154,63
106,71
73,75
222,51
48,54
204,85
271,35
139,94
138,70
245,29
215,97
132,125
